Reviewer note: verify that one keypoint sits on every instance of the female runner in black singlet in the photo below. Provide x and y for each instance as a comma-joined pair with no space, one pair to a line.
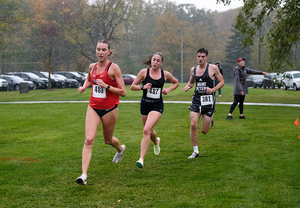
152,105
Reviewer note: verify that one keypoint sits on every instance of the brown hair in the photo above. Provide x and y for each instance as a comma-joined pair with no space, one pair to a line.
203,50
148,61
108,45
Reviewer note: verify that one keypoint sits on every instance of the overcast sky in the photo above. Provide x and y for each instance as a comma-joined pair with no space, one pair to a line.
210,4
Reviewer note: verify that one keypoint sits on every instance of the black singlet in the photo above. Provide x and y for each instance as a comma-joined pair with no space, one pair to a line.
157,86
200,97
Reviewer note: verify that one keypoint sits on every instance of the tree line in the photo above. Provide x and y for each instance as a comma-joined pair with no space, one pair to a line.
56,35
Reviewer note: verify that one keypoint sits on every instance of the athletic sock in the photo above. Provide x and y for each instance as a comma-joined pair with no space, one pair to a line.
83,176
196,149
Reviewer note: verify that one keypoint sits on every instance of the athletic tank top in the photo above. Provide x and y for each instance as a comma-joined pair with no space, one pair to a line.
200,96
154,93
101,98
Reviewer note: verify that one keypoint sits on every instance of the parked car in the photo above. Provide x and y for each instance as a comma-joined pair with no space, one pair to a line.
84,74
40,83
271,80
69,83
14,82
3,85
291,79
55,82
254,80
73,75
128,78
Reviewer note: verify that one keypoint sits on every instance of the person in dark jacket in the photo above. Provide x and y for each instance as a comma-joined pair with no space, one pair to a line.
240,86
221,71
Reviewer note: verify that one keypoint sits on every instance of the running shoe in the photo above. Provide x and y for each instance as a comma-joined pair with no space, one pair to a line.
229,117
242,117
140,163
156,147
194,155
119,155
81,180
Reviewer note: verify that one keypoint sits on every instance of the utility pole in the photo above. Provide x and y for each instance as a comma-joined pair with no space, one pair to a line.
181,55
259,46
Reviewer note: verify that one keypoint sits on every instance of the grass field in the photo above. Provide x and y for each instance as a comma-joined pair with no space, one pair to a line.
242,163
255,95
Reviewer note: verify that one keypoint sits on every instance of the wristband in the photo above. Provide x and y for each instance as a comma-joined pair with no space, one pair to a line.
107,88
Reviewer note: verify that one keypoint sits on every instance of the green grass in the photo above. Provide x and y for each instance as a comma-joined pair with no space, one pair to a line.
255,95
242,163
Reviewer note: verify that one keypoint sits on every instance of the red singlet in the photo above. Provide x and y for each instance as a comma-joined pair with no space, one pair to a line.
101,98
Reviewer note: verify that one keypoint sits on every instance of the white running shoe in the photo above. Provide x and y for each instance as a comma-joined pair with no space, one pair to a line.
156,147
119,155
194,155
81,180
140,163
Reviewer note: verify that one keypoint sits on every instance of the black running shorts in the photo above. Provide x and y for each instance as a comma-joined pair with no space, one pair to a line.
148,105
198,109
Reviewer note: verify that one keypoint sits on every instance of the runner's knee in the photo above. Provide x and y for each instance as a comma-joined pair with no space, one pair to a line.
108,142
204,131
194,126
147,131
89,141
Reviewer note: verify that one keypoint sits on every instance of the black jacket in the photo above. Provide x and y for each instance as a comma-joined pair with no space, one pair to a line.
240,76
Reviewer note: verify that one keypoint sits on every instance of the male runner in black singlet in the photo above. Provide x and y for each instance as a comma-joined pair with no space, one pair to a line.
203,101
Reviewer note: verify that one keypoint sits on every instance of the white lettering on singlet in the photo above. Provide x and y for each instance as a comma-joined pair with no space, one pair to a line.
201,87
99,92
153,93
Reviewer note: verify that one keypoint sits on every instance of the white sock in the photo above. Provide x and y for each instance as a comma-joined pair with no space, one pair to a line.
83,176
196,149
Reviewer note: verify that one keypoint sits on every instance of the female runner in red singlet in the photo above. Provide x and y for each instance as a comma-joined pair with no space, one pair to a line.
107,85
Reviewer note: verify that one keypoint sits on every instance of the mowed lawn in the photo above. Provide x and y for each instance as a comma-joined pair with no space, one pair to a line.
242,163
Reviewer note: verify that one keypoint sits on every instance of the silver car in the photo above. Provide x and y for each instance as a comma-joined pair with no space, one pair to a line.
40,83
14,82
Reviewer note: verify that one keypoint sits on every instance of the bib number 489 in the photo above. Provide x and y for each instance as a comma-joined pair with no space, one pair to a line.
99,92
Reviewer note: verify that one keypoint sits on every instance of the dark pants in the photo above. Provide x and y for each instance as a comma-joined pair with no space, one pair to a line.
216,83
238,99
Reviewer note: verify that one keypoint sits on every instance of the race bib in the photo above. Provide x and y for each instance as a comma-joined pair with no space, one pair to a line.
206,100
153,93
99,92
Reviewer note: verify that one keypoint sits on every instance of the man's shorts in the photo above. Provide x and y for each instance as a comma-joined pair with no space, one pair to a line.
148,105
198,109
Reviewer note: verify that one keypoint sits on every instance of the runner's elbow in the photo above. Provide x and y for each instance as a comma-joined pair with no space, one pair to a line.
123,93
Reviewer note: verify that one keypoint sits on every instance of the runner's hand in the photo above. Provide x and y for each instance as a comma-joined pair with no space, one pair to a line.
81,90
